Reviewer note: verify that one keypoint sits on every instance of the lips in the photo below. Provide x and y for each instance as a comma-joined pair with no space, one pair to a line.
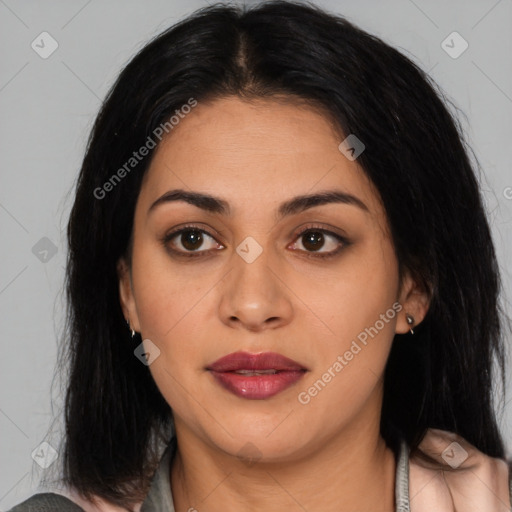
256,376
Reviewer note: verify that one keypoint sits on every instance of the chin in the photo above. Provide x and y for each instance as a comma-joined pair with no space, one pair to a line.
254,444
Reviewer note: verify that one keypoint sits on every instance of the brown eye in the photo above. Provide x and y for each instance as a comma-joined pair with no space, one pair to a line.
313,240
190,240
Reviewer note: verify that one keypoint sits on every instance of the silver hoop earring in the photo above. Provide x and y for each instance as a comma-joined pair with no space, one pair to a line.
130,327
410,320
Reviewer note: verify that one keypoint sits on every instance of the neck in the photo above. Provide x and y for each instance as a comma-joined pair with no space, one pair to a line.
354,470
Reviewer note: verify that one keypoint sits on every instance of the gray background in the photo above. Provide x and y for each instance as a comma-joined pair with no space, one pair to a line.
47,108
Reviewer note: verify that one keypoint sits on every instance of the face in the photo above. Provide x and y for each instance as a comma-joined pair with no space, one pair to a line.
257,270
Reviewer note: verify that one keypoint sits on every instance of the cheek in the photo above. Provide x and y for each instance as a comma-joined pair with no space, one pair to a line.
164,295
360,308
170,309
349,370
364,287
173,307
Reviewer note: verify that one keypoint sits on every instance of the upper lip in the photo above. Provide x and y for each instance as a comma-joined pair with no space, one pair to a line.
247,361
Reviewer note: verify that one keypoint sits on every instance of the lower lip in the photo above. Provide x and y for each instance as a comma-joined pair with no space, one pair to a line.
257,387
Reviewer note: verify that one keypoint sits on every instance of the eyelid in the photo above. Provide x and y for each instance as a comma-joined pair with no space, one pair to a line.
314,226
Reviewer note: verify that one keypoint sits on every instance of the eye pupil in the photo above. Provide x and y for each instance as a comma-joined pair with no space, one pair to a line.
314,240
191,239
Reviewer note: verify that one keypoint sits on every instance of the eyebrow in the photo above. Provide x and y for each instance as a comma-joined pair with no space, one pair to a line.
292,206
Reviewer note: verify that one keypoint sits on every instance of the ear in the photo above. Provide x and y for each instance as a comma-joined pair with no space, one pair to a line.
415,301
126,294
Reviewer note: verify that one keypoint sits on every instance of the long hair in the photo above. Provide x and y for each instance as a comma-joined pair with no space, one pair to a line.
415,156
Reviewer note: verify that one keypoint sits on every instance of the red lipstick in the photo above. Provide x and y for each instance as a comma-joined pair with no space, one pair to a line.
256,376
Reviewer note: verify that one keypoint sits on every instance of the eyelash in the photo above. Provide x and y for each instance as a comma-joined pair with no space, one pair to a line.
310,228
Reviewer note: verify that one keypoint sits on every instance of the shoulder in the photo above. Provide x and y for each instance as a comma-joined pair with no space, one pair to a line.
47,502
67,500
447,473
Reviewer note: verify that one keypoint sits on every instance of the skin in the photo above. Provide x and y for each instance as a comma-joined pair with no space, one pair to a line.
256,155
473,481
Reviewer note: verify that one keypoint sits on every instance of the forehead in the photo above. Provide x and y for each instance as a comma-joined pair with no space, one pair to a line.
254,152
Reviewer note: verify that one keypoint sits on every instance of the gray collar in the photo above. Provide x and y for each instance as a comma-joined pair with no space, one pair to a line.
159,497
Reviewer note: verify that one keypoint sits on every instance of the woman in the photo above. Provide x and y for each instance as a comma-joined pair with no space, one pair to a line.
280,270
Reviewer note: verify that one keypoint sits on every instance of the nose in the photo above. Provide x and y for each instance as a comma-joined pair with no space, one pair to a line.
254,295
